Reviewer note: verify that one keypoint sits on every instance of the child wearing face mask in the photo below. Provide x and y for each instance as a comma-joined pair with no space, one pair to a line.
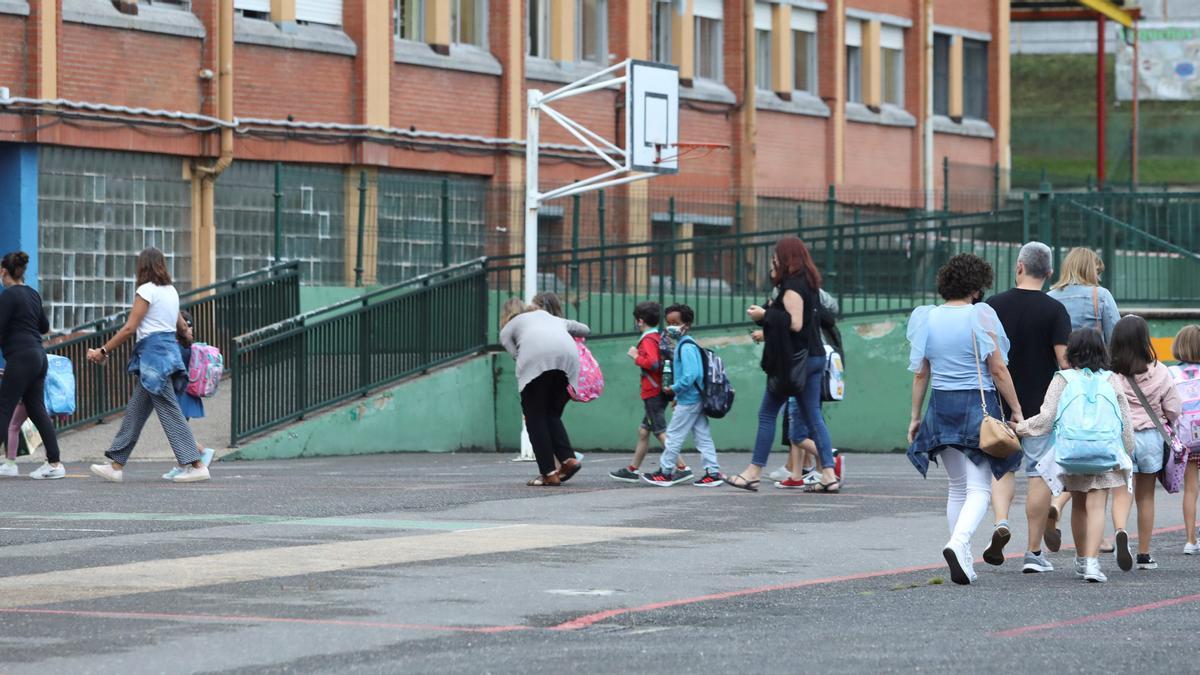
688,418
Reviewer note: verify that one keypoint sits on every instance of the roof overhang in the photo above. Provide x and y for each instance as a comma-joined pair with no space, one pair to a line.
1120,11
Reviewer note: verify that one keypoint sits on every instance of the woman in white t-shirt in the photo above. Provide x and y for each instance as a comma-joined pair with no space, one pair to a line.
156,360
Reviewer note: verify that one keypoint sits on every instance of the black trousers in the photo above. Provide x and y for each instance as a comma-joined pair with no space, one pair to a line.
543,401
25,380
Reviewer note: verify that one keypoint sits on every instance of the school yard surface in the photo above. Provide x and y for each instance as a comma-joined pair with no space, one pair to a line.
446,563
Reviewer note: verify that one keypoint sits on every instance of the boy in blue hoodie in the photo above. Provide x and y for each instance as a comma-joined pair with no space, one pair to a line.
688,417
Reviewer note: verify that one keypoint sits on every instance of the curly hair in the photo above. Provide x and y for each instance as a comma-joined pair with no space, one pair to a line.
963,276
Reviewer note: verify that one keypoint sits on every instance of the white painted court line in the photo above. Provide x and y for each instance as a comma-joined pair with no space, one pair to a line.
55,529
151,576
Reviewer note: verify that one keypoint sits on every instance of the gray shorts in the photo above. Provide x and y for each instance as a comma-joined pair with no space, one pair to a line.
1148,451
655,419
1035,448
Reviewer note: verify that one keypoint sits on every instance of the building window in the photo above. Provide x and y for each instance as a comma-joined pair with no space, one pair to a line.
710,39
941,74
538,24
762,46
804,51
322,12
592,24
253,9
975,79
891,42
854,92
664,13
408,19
469,22
176,4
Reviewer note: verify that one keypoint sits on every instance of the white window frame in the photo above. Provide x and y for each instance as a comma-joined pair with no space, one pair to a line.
540,8
601,29
854,79
712,11
805,21
891,38
481,22
419,35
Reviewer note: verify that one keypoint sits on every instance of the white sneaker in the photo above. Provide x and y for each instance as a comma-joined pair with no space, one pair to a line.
962,571
108,473
1092,573
191,474
9,470
48,472
779,474
1080,567
175,471
1191,549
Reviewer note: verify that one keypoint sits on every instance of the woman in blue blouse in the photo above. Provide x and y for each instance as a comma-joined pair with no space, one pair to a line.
1078,289
945,340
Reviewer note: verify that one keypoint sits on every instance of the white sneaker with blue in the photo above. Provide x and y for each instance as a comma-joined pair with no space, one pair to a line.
206,458
48,472
1035,563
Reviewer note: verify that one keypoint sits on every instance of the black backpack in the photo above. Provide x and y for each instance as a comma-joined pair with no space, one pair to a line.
716,392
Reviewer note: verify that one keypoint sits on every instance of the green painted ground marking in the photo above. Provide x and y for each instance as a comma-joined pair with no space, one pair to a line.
243,519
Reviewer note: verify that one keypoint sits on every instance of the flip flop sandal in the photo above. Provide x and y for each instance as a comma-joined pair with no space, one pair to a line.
569,469
543,481
747,485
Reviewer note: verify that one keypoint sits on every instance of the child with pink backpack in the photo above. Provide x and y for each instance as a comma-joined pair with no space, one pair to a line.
200,382
1187,427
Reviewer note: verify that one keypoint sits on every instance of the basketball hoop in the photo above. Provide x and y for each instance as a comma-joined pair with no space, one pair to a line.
685,150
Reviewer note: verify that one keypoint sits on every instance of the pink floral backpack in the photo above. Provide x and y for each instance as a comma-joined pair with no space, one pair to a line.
204,370
591,380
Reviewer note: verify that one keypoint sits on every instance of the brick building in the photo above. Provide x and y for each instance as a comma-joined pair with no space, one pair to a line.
117,121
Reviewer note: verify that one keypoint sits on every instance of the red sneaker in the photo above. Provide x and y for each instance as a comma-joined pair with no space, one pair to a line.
790,484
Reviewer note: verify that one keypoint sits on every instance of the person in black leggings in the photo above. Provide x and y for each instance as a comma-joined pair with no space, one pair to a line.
22,325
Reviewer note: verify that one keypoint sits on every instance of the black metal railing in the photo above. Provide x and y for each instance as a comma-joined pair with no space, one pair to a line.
220,312
339,352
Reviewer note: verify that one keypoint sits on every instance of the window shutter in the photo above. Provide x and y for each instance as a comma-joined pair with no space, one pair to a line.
853,33
253,5
328,12
804,20
762,16
709,9
891,37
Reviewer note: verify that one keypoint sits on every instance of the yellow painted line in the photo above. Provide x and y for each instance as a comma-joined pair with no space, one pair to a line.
154,576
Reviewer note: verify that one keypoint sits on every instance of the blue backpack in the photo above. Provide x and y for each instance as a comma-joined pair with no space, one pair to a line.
1087,429
716,392
60,386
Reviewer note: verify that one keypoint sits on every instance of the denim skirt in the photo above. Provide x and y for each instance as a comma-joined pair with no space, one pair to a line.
952,420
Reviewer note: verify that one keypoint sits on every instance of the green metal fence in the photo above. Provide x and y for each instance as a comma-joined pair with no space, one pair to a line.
321,358
220,312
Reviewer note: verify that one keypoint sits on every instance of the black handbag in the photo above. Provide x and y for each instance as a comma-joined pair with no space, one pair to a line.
791,383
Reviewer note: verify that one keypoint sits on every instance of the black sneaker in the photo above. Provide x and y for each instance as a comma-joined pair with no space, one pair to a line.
994,555
1145,561
660,479
711,480
624,475
1121,549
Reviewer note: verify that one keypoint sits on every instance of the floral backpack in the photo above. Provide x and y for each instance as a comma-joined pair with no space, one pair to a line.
204,370
591,380
1187,383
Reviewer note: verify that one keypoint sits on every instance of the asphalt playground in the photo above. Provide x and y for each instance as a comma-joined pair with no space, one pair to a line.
447,563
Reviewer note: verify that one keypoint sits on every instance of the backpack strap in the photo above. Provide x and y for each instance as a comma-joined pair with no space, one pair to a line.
687,339
1149,410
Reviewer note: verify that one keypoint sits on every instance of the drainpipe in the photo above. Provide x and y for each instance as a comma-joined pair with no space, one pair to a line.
930,198
209,172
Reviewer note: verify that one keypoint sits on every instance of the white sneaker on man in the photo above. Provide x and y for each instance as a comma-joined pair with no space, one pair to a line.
48,472
191,474
1191,549
108,473
9,470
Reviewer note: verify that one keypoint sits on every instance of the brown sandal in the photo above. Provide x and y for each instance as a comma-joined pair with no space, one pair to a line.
550,480
568,469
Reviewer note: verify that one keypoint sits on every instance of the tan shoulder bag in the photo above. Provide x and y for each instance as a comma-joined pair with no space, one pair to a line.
996,438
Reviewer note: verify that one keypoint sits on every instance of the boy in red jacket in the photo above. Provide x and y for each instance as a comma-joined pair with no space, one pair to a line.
646,355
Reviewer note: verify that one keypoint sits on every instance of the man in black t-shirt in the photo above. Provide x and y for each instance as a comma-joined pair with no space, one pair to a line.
1037,326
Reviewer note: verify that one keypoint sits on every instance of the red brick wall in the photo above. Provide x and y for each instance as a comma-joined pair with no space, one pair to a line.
871,152
965,15
127,67
12,54
791,151
433,99
973,157
275,83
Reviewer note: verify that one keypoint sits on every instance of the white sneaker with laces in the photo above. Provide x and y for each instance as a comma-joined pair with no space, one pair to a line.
9,470
108,473
48,472
779,474
1080,567
962,567
1092,573
1191,549
191,474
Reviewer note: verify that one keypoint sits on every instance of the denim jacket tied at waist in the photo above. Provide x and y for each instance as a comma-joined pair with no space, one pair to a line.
156,360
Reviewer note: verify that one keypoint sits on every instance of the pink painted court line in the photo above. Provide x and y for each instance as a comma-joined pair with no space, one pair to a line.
591,619
1092,618
218,618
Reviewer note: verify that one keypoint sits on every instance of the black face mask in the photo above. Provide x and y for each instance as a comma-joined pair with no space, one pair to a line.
977,299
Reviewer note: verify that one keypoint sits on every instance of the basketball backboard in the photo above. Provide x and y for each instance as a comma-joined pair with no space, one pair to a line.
652,117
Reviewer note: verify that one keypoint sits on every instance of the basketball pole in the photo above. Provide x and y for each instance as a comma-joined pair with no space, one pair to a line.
532,202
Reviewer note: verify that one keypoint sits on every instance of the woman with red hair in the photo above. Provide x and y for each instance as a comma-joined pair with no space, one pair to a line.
794,360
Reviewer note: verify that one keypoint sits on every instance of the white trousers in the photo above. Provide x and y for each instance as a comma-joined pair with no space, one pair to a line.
969,497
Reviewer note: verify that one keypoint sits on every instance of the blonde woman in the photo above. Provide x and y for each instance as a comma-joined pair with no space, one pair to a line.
1078,288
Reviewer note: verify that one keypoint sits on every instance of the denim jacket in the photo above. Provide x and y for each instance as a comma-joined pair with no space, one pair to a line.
155,361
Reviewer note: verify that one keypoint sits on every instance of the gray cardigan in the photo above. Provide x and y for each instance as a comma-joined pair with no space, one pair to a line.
541,342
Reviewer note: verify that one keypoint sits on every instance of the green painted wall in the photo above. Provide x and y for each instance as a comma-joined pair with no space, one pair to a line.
316,297
450,409
474,405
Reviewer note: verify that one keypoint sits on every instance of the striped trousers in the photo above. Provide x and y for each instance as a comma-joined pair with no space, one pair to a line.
179,434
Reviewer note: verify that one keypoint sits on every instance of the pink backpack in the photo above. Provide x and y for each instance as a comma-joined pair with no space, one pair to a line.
591,380
1187,383
204,370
